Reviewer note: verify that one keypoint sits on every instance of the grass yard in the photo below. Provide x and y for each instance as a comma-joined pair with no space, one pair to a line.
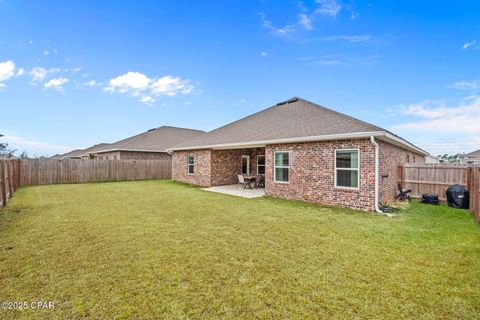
160,249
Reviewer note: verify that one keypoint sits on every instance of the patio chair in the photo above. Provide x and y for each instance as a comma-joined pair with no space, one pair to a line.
260,181
242,181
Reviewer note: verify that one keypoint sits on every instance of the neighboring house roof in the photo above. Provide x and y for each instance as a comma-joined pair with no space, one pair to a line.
472,155
294,120
72,154
78,153
154,140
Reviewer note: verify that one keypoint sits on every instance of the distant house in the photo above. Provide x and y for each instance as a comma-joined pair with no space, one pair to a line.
148,145
304,151
471,158
431,159
81,153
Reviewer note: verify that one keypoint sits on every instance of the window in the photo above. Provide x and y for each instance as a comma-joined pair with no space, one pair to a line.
413,159
190,163
245,164
282,166
407,158
261,164
346,168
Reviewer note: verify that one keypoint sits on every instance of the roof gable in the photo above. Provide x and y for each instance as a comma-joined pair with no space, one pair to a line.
289,119
153,140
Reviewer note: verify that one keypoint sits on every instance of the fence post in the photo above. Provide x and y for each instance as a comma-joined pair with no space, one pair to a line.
8,178
475,194
401,175
3,192
470,188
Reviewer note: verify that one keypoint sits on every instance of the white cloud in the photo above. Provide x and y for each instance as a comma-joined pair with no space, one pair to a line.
137,84
466,85
20,72
436,124
33,146
305,21
7,70
350,38
39,73
267,24
328,7
469,44
131,81
264,53
170,86
92,83
50,50
147,100
77,69
306,17
56,83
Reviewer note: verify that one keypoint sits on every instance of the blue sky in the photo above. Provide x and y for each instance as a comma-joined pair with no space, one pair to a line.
77,73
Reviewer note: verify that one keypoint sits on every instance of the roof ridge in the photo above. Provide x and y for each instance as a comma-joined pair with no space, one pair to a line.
340,113
246,117
143,135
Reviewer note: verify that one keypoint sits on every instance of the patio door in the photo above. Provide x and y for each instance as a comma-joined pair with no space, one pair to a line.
245,164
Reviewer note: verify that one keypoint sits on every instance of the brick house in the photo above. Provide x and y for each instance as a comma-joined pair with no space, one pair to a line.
144,146
81,153
305,152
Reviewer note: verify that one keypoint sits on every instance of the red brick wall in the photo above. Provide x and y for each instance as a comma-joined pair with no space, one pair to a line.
227,164
391,157
311,171
202,169
312,174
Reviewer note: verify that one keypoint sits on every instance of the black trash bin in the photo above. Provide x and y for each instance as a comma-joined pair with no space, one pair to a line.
458,197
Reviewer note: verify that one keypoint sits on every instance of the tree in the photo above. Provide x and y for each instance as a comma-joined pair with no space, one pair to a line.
5,151
453,158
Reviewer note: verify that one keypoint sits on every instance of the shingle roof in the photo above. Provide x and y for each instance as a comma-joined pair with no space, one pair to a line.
79,152
474,154
290,119
154,140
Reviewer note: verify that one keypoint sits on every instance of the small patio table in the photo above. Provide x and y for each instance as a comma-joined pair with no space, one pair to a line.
249,179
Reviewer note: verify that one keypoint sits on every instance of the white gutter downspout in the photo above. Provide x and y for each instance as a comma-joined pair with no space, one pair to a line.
375,144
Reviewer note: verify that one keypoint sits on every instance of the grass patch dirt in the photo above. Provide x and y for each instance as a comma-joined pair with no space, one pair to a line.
159,249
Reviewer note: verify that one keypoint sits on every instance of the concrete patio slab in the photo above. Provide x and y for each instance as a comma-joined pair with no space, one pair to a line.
237,190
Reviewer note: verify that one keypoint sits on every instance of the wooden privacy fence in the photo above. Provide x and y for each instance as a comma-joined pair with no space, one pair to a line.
437,178
51,171
474,188
9,179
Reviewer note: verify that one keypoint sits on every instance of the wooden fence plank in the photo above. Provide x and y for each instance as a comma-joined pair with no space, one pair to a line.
50,171
437,178
8,179
3,191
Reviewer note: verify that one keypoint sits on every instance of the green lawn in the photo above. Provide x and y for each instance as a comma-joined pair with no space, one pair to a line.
160,249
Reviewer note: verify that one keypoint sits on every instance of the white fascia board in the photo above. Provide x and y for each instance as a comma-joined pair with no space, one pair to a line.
395,140
262,143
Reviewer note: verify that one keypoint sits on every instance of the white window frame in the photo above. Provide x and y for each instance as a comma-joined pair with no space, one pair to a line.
274,166
349,169
245,156
264,163
188,164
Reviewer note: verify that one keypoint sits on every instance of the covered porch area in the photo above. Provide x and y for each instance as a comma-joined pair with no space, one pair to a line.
230,167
